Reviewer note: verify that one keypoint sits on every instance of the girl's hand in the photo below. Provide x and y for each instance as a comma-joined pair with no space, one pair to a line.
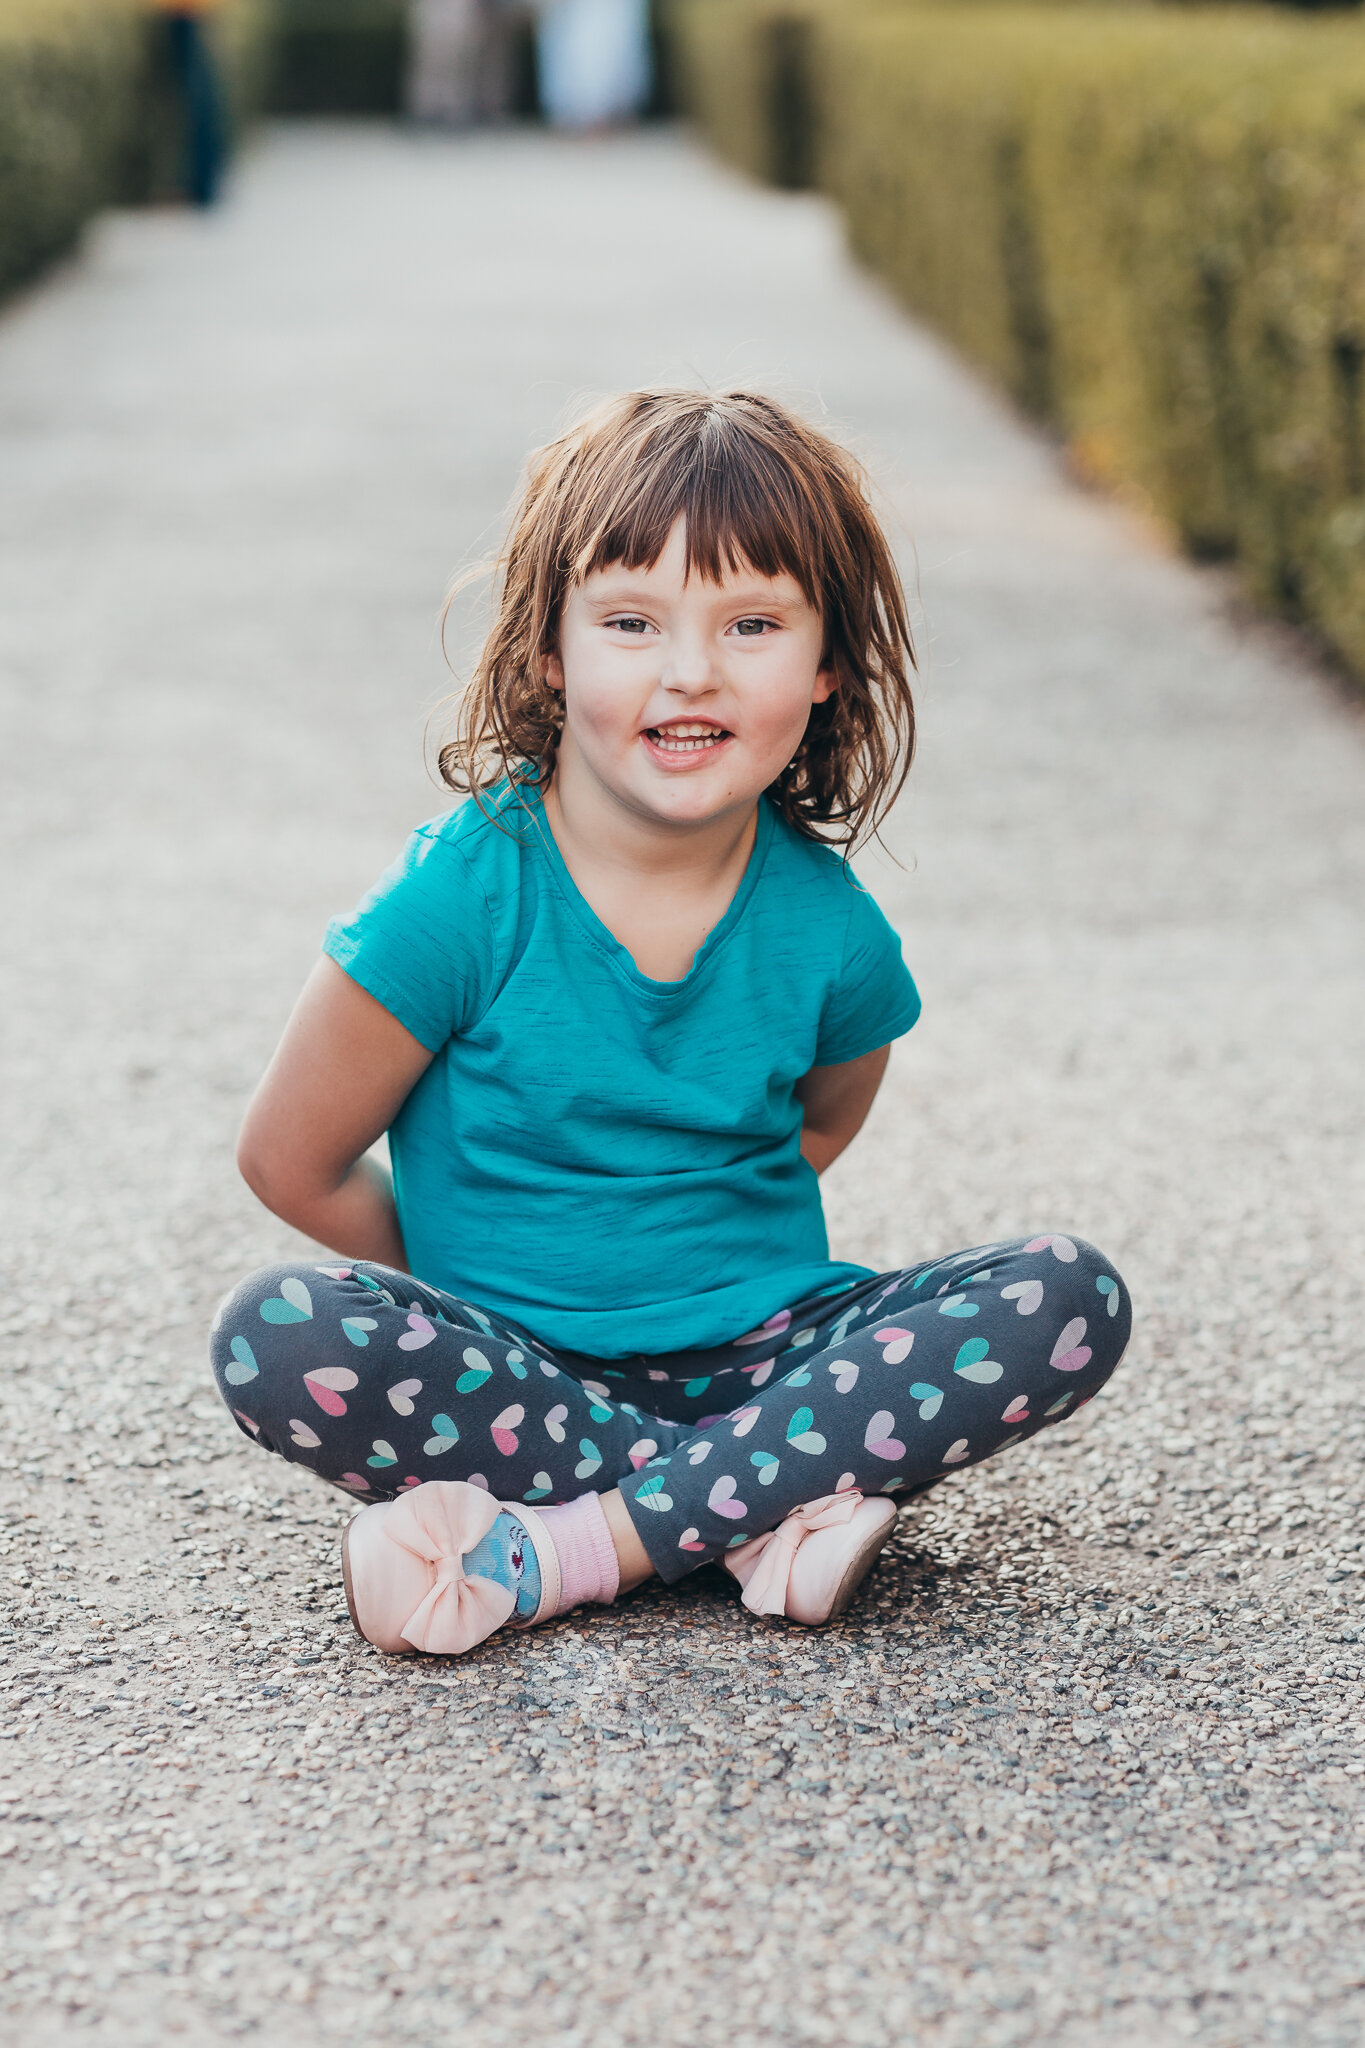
836,1101
341,1073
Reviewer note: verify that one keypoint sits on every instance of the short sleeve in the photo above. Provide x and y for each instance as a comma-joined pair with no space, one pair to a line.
874,999
421,942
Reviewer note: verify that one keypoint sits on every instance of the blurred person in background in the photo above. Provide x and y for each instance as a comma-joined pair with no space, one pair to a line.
593,60
462,60
194,72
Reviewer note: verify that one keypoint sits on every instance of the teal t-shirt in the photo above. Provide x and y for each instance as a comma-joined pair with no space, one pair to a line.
614,1162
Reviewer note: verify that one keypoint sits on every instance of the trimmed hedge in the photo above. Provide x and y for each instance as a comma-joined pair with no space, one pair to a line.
744,70
69,72
341,56
1148,225
86,120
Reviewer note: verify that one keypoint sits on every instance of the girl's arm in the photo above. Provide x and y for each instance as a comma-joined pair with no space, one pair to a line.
836,1101
342,1071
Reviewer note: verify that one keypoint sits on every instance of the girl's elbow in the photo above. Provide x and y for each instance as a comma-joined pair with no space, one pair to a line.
262,1168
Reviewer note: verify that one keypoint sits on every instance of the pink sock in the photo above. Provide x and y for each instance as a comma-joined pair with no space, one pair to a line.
587,1556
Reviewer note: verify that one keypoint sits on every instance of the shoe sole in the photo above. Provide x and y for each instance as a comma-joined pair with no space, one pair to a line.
860,1564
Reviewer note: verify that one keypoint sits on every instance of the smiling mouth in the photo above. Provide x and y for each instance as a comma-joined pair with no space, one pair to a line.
687,736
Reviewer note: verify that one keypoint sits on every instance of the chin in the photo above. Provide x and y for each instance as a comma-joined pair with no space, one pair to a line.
694,804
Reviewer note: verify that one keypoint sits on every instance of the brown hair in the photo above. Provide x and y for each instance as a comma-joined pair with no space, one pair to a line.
753,485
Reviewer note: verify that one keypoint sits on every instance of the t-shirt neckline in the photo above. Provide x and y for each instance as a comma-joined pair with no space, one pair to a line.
606,941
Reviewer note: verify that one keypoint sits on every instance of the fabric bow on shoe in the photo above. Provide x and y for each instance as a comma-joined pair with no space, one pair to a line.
763,1566
440,1525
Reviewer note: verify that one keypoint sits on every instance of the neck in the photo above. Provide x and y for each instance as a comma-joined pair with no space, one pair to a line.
593,827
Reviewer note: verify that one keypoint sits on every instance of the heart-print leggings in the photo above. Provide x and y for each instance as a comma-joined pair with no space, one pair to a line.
377,1382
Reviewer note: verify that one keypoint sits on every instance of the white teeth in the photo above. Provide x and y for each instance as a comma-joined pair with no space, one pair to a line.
686,739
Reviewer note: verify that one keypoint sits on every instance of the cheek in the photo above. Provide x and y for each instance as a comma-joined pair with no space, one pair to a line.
780,714
598,716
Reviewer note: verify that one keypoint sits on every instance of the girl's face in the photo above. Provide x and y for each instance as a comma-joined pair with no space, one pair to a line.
684,699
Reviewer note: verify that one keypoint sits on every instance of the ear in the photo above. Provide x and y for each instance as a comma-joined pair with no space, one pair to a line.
552,668
826,683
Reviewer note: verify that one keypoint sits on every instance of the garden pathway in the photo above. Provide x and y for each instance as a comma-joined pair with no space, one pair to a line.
1087,1755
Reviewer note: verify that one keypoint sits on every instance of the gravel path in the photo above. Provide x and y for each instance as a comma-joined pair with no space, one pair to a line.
1085,1762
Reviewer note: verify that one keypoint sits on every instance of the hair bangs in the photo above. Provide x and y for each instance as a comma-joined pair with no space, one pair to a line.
736,500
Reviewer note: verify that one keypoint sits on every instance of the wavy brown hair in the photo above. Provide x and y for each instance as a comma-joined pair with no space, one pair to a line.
754,485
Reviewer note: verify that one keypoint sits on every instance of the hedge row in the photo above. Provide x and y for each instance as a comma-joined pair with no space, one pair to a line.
1148,225
340,56
68,71
86,116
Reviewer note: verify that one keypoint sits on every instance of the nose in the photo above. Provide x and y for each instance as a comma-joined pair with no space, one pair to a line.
688,670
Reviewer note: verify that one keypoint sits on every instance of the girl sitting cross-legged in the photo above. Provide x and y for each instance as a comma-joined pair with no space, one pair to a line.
617,1011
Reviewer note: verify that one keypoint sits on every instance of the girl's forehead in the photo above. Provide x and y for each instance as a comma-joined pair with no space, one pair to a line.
687,578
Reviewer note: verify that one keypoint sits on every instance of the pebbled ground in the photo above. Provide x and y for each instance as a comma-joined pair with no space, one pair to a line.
1086,1760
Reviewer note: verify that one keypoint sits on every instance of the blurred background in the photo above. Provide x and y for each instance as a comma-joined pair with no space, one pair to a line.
291,288
1146,222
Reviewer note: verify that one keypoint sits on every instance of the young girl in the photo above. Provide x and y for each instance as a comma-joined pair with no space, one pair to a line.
617,1011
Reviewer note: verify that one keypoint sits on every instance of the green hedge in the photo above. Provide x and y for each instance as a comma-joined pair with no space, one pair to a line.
69,73
744,70
341,56
86,120
1149,225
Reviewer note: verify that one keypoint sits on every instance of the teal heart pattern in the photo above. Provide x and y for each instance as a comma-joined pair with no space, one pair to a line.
293,1304
890,1388
973,1363
243,1367
802,1434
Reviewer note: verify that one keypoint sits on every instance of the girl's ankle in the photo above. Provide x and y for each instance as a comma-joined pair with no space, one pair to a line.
589,1569
633,1562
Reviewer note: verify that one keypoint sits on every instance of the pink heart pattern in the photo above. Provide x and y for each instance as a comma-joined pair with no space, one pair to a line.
1061,1248
774,1327
721,1500
328,1384
852,1344
420,1331
555,1421
503,1429
1068,1353
878,1440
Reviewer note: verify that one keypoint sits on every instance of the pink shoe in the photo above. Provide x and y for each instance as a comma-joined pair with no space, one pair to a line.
403,1564
809,1567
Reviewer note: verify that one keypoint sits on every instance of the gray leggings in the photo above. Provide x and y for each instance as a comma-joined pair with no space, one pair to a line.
377,1382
